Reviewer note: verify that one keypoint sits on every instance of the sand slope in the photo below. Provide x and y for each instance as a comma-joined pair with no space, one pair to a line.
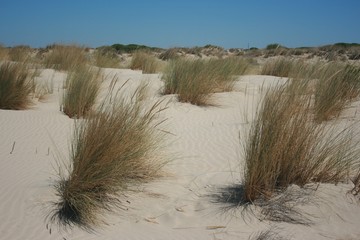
205,153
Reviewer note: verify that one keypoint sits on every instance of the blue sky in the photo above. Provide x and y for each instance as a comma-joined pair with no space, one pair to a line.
170,23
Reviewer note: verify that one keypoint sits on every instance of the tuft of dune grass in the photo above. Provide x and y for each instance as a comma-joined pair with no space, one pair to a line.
19,53
280,67
337,86
65,57
111,153
143,60
81,90
106,58
4,53
195,80
15,86
285,146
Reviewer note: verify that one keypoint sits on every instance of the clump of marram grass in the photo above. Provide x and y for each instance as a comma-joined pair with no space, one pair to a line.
65,57
111,153
15,86
280,67
19,53
195,80
142,60
81,90
285,146
337,85
4,52
106,57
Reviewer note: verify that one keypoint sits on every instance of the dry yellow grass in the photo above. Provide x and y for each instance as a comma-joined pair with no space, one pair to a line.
65,57
195,80
145,61
285,146
112,152
15,86
81,91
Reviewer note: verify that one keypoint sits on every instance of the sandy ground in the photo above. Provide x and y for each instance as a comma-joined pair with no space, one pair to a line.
205,155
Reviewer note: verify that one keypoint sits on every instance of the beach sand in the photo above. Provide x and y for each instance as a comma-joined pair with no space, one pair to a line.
205,155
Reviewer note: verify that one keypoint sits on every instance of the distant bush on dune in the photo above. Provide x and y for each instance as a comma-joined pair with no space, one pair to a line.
130,48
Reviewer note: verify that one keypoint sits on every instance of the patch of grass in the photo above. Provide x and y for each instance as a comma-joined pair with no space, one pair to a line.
19,53
145,61
81,90
280,67
112,152
15,86
65,57
285,146
195,80
190,80
337,85
3,52
106,57
170,54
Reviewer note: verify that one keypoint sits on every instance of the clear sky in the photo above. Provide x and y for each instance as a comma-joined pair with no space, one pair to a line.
173,23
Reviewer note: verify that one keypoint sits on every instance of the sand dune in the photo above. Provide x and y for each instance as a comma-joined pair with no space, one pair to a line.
205,153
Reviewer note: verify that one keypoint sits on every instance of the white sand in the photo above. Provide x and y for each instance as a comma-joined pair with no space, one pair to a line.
206,155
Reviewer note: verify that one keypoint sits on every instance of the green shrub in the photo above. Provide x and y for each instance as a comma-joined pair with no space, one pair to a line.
130,48
15,86
273,46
